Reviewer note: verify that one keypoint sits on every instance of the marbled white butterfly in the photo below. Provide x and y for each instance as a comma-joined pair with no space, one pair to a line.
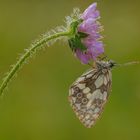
89,93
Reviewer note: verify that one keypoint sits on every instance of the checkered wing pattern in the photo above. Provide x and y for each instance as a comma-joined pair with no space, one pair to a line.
89,93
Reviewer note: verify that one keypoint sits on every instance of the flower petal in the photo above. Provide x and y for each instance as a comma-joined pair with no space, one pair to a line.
97,49
83,56
87,25
89,11
91,40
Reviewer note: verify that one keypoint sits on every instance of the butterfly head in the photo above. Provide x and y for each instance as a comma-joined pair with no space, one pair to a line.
105,64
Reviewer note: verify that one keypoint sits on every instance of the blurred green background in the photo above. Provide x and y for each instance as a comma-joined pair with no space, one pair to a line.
35,106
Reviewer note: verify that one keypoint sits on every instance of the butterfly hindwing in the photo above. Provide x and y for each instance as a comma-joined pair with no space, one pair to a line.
89,93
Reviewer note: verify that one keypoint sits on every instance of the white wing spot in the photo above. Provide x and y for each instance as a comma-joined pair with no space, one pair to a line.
74,99
105,80
95,116
95,95
89,95
78,106
89,75
93,107
80,79
96,110
81,116
87,116
91,123
110,75
86,90
81,86
99,81
88,122
104,95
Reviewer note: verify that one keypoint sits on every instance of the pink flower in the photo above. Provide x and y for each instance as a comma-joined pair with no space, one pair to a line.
90,26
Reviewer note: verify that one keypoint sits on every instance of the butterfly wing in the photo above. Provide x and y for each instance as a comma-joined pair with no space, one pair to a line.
89,93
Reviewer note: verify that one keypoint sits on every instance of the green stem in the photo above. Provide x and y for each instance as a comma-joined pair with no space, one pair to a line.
27,55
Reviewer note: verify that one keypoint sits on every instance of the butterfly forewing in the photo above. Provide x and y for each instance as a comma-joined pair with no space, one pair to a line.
89,93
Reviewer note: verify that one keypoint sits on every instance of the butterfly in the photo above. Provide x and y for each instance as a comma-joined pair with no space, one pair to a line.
89,93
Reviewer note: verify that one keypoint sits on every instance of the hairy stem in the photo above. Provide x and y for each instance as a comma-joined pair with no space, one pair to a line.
27,55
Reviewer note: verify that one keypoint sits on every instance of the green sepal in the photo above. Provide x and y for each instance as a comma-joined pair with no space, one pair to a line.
82,35
76,37
74,26
75,43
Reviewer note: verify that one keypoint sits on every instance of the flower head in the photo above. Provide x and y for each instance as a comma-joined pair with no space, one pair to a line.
88,36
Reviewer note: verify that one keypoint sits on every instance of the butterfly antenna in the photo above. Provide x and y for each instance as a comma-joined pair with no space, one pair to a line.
128,63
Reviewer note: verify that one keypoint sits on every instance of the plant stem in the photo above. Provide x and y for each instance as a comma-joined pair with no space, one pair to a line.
27,55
